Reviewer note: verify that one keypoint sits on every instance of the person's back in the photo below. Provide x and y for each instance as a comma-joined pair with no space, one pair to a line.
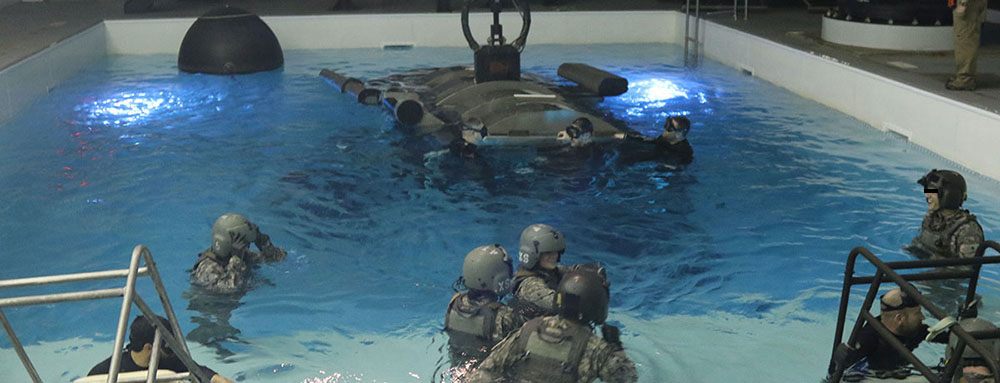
476,320
563,348
138,353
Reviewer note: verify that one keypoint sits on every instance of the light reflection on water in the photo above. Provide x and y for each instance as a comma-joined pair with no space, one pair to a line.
751,235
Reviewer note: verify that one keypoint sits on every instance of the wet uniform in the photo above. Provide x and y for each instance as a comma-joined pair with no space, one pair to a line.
475,324
228,276
954,236
555,350
662,150
167,362
882,358
535,291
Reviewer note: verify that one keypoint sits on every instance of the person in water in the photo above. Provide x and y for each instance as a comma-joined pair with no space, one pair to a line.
538,273
670,147
139,351
226,265
476,319
901,314
563,348
948,231
974,367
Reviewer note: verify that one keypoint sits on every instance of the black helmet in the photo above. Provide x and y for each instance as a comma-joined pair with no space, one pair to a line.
949,186
582,295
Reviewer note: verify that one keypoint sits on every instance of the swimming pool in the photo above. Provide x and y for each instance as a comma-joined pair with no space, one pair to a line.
715,268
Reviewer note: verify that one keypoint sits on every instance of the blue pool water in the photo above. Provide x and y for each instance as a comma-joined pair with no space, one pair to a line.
729,269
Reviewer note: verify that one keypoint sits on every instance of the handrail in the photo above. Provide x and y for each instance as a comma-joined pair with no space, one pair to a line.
687,32
888,270
172,336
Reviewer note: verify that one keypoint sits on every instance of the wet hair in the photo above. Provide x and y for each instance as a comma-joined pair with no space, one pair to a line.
143,332
682,124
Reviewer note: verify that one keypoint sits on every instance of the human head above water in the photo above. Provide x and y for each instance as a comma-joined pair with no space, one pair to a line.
488,268
142,332
901,313
676,129
538,240
947,186
583,296
231,227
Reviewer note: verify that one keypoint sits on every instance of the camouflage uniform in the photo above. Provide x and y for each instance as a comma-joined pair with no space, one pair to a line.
230,275
535,291
524,356
475,324
956,236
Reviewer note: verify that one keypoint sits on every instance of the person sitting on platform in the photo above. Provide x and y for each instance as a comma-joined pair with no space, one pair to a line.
139,351
903,317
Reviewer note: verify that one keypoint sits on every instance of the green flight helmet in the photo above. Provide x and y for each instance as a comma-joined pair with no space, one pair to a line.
222,246
488,268
232,224
583,296
950,186
537,239
973,325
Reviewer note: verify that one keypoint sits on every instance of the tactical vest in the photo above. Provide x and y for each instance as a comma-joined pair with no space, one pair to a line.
939,242
470,328
547,354
210,256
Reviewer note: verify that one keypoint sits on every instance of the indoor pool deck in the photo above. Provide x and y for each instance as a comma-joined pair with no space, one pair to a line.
900,92
29,27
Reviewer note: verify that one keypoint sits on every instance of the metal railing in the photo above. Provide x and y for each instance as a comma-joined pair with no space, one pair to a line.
888,269
689,60
173,336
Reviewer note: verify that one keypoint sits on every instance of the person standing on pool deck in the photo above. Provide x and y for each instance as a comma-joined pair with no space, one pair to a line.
563,348
225,266
948,231
968,16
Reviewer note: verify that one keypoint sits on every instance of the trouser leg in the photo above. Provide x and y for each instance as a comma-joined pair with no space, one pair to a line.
967,33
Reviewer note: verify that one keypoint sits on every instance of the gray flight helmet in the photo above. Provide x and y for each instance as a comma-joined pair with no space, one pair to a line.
488,268
537,239
973,325
583,296
950,186
222,246
232,224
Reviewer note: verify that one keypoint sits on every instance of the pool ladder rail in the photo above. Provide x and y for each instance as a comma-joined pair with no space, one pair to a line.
691,57
888,270
172,336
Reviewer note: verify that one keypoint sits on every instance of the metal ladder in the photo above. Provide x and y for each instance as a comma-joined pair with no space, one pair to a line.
173,336
886,272
691,57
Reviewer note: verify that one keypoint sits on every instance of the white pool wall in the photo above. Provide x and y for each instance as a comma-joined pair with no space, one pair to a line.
961,133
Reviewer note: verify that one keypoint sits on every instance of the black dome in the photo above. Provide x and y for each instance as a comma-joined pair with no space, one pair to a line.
229,41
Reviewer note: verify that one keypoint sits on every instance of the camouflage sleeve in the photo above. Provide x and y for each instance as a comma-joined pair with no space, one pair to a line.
967,239
534,290
268,251
492,368
508,320
220,279
619,369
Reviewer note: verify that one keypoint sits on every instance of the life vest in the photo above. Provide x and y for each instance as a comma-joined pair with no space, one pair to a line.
939,242
470,328
548,354
527,308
